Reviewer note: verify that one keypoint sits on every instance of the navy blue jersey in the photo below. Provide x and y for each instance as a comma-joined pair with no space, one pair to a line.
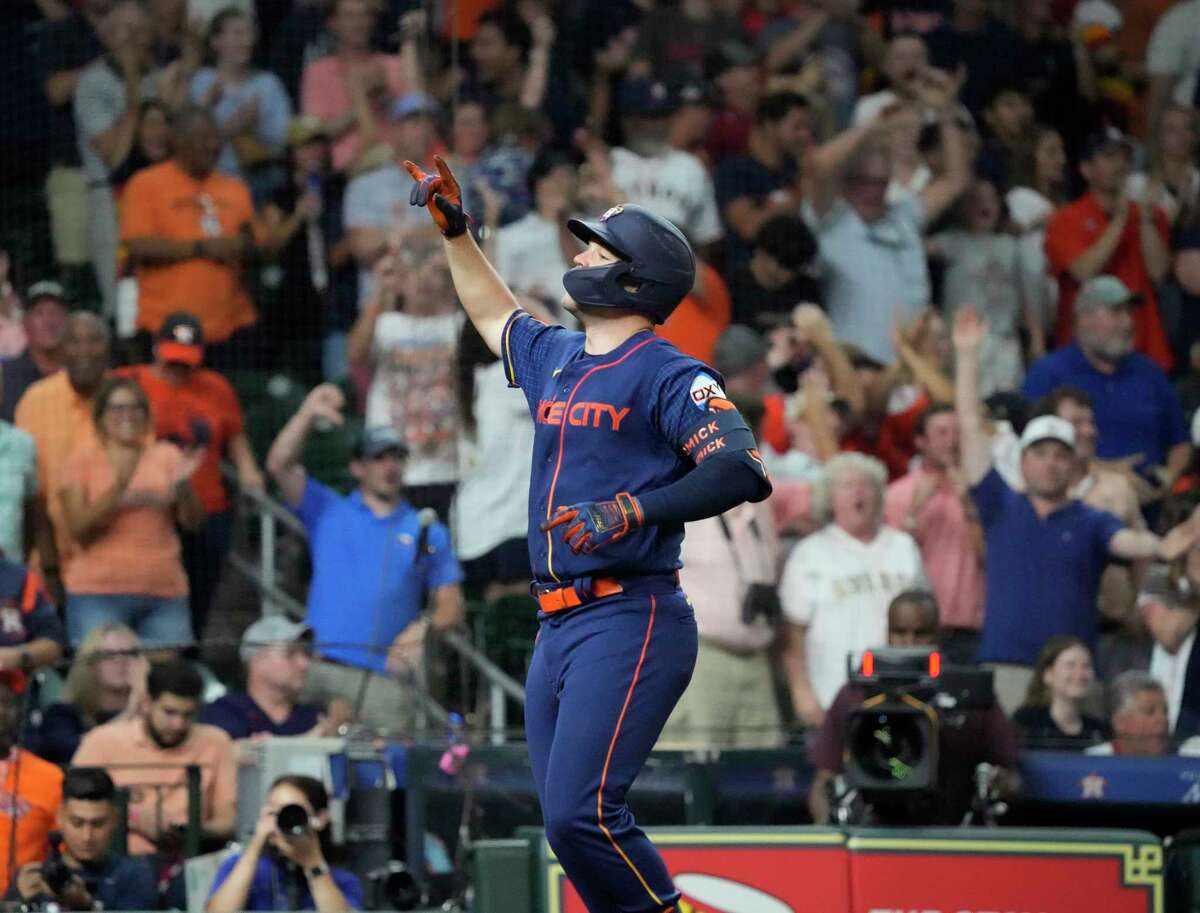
631,420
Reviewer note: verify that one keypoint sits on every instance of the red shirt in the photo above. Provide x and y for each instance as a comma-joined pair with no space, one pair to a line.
1074,228
206,396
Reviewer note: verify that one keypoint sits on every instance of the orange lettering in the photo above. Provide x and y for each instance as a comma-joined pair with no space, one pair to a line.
616,416
555,415
579,414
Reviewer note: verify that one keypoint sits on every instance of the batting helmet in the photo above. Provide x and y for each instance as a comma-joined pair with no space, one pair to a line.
657,266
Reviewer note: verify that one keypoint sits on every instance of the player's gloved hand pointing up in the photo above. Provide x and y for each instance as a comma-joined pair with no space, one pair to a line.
441,195
594,524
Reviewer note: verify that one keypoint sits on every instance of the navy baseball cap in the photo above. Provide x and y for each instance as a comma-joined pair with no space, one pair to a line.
643,96
377,440
181,339
1103,140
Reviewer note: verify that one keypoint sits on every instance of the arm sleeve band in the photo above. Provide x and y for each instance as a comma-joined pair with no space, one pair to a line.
713,487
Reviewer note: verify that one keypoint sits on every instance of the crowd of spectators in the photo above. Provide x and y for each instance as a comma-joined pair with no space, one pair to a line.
949,269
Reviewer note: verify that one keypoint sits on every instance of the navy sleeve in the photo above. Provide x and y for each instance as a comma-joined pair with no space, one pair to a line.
43,621
990,496
350,887
527,348
59,733
1104,527
1039,380
222,714
684,388
223,873
1176,429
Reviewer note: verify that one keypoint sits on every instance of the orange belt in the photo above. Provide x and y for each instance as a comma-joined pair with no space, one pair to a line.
567,597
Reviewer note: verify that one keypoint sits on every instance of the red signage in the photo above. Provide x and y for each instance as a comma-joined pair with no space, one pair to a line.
816,870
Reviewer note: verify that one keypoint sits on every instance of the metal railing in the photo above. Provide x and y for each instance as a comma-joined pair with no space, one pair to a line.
270,515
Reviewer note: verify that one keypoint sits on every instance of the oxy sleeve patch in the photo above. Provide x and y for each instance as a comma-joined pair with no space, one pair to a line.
704,387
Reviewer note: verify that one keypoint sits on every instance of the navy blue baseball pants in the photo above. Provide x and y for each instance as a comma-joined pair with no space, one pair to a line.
603,681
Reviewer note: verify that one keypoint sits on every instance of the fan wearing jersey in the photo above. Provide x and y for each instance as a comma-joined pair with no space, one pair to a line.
632,439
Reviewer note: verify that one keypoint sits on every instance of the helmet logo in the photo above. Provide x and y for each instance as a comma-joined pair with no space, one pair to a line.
614,211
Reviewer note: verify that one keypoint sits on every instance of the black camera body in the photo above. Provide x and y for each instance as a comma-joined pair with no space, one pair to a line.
292,821
761,600
893,736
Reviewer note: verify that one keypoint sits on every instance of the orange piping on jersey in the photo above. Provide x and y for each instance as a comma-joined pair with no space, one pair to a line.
562,431
613,744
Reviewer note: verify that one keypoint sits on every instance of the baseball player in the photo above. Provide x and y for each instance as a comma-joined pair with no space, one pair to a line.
632,440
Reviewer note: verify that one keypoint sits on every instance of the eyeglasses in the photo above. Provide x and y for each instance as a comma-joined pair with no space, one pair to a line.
125,408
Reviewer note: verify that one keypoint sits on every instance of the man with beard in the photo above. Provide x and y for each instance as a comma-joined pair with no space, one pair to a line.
376,561
1045,550
37,785
1141,424
150,753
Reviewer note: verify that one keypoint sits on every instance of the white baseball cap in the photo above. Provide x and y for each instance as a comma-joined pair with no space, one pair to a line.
1048,428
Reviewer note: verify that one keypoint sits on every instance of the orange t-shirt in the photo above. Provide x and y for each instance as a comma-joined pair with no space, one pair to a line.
39,794
157,777
138,552
696,324
164,201
58,419
1074,228
208,396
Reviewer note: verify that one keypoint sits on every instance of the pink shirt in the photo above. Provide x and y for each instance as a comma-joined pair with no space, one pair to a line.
716,572
952,562
323,94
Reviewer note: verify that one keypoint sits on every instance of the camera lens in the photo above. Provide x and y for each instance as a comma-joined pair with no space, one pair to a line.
292,820
888,746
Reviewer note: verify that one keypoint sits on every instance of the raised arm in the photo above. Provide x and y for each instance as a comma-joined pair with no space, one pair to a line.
1131,544
484,296
969,332
283,459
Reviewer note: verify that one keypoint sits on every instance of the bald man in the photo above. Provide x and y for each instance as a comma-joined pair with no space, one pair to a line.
982,736
57,413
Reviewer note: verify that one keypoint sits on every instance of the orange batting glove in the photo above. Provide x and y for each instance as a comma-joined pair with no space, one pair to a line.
441,195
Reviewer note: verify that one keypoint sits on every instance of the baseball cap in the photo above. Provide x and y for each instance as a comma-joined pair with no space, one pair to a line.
1103,292
643,96
304,129
728,55
1048,428
269,630
181,339
692,93
1103,140
738,349
413,103
46,288
378,440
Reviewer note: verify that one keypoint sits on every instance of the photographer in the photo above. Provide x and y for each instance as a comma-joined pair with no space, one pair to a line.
730,566
80,874
980,736
283,866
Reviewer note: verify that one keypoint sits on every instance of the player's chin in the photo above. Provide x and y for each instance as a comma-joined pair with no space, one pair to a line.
569,304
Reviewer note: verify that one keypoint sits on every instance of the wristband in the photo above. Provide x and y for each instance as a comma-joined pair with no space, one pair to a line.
316,871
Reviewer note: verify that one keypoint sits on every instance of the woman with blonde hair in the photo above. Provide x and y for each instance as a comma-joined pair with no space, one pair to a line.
1061,682
106,681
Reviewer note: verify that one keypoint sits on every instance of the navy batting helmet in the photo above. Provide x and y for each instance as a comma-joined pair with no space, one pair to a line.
657,266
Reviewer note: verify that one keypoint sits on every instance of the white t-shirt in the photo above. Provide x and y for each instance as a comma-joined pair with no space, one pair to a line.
1030,210
867,108
415,389
1171,670
839,588
674,185
492,503
1174,49
529,257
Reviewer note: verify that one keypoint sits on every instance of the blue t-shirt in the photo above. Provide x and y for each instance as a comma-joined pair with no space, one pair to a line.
367,585
1136,408
241,717
269,888
624,421
1043,574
